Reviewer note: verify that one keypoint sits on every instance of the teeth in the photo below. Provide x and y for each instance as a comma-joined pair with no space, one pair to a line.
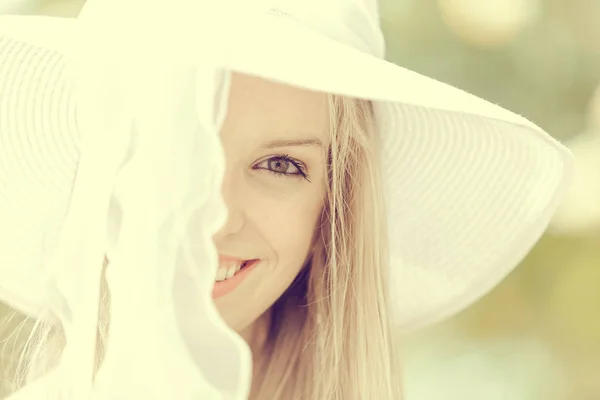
221,274
230,272
228,269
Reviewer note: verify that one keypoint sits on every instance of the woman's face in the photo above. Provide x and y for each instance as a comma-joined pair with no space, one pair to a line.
275,139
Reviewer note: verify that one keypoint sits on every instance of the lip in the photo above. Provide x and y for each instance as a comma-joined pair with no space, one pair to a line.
227,286
225,258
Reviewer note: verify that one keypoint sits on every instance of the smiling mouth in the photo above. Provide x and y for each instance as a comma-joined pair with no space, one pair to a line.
228,269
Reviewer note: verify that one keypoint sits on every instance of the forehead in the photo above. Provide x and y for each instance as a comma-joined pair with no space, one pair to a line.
263,108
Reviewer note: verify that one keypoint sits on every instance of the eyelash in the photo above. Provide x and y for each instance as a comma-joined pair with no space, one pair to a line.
286,158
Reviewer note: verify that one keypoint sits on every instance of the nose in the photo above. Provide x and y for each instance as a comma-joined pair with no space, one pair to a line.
231,193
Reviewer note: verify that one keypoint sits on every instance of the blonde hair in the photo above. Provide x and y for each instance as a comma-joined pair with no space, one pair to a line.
330,335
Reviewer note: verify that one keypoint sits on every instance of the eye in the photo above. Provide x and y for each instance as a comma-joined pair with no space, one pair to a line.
283,165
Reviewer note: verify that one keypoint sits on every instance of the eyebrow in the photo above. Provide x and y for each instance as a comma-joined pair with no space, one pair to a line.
288,143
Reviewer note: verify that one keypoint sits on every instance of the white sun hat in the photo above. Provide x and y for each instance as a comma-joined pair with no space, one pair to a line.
103,121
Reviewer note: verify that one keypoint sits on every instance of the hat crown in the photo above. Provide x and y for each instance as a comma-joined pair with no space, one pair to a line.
351,22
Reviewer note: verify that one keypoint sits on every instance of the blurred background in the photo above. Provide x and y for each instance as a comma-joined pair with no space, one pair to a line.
537,335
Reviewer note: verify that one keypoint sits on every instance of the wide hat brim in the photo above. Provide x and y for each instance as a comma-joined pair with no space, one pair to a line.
470,186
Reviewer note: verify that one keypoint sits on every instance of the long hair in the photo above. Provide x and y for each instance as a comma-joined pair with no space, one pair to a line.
330,335
37,344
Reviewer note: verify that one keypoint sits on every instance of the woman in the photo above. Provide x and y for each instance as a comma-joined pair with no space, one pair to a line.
297,197
321,171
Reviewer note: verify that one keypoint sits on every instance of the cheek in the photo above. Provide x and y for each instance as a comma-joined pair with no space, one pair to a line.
283,225
288,226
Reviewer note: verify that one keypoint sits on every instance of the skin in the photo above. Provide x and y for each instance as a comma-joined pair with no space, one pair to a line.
272,217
